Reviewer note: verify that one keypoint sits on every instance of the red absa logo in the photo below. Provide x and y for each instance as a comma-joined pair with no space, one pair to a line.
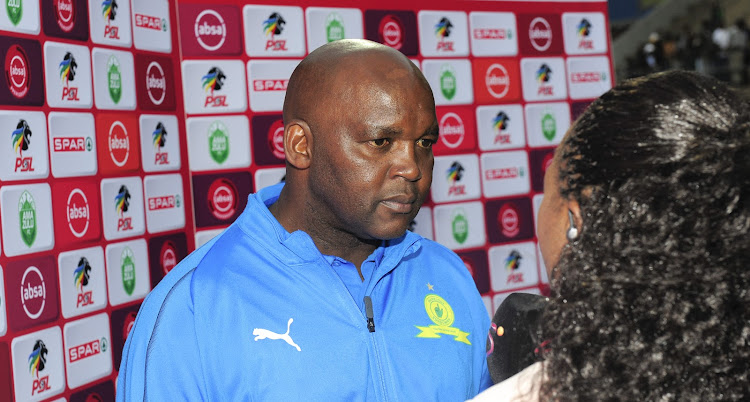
276,139
118,135
497,80
168,257
156,83
509,220
222,198
33,292
210,30
17,71
119,143
128,325
452,130
78,213
540,34
391,32
65,14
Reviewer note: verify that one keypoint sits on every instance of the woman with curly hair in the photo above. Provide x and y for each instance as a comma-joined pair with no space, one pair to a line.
644,224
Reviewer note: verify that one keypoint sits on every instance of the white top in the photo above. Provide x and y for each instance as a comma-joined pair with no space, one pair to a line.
522,387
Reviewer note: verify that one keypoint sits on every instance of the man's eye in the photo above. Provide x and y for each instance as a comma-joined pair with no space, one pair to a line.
425,143
379,143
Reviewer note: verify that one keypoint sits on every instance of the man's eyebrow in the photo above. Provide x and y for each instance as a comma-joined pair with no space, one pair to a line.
434,130
386,130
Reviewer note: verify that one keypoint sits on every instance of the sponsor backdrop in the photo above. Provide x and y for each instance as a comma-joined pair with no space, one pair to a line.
139,127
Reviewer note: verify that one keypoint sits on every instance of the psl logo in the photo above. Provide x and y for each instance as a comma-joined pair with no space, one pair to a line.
443,30
584,30
513,263
122,203
273,26
109,12
21,140
214,81
37,361
159,137
454,175
543,75
81,277
68,68
500,124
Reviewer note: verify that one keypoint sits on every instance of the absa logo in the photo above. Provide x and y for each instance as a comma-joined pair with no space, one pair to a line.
65,14
156,83
276,139
540,34
78,213
214,81
21,140
222,198
509,220
17,71
391,32
168,257
109,12
33,292
443,30
68,68
451,130
454,175
159,138
273,26
37,361
81,277
119,143
210,30
497,81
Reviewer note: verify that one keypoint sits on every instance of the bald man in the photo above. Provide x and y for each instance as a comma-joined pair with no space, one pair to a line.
317,291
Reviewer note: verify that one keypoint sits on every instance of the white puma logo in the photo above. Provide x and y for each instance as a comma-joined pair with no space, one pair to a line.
261,333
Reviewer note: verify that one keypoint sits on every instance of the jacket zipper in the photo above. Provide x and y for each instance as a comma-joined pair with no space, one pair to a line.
371,327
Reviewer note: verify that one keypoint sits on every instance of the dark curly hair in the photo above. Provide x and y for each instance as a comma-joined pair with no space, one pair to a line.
652,300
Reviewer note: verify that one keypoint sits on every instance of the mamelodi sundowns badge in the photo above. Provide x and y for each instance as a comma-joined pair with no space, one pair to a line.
493,34
460,226
457,133
513,266
456,178
87,349
443,33
160,143
114,79
122,207
505,173
217,143
20,16
23,81
394,28
26,218
155,82
65,19
68,72
220,198
214,86
38,366
450,81
34,297
109,22
267,83
83,287
117,142
24,155
152,28
325,25
500,127
76,211
210,30
165,202
72,144
274,31
127,271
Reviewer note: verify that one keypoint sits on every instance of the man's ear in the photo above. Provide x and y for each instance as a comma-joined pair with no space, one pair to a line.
298,144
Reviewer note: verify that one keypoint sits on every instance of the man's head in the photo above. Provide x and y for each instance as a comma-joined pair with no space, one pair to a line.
359,123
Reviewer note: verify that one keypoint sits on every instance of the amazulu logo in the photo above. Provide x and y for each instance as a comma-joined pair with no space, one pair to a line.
334,27
273,25
109,10
448,81
159,136
441,314
549,126
68,68
15,10
27,218
21,137
460,226
114,79
218,142
127,266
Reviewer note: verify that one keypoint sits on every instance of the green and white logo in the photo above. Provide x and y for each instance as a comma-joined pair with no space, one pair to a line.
127,265
89,144
164,24
15,10
549,126
334,27
448,81
218,142
460,226
177,200
104,344
27,216
114,79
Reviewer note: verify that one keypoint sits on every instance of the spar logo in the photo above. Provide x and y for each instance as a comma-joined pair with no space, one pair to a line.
81,277
168,257
159,138
163,202
210,30
509,221
214,81
218,142
270,85
156,83
512,264
122,204
114,79
65,13
442,31
454,174
549,126
460,226
540,34
543,75
448,81
334,27
583,29
127,268
452,130
150,22
37,362
497,81
17,71
78,213
88,349
33,292
27,218
21,141
67,69
587,77
500,124
272,26
504,173
492,33
222,198
276,139
119,143
109,12
15,10
391,32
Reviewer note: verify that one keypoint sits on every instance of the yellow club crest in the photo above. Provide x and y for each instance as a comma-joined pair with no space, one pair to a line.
441,313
